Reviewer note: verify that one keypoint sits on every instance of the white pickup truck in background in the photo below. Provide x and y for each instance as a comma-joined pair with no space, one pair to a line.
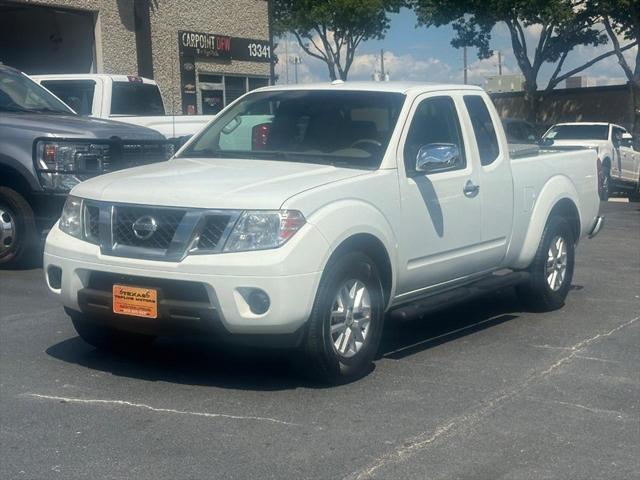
342,202
620,160
125,98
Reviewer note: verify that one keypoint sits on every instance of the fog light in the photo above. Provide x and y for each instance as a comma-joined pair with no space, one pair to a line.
258,302
54,275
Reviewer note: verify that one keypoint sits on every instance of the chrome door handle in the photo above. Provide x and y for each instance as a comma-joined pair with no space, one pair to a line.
471,189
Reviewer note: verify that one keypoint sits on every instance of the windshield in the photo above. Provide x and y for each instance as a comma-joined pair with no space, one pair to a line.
137,99
345,128
578,132
18,93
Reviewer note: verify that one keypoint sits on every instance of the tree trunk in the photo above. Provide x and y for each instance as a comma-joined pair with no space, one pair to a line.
332,71
532,103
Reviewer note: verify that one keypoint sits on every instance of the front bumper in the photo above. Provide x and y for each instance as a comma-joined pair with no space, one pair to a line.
288,275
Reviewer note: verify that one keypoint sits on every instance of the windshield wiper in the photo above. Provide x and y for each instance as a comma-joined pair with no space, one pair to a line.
14,108
50,110
18,108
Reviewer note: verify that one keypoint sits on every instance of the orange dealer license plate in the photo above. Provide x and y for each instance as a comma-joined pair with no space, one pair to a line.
135,301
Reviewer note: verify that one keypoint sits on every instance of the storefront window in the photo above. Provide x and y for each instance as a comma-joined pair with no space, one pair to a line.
217,91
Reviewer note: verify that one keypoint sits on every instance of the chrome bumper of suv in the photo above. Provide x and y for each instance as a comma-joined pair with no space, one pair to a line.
597,226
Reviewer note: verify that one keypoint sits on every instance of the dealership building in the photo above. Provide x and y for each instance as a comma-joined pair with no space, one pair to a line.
203,53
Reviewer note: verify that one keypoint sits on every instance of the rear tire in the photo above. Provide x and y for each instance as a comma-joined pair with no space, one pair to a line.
345,326
18,234
104,337
552,268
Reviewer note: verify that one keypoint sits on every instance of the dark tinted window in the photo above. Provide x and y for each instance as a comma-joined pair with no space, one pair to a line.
78,94
235,87
578,132
137,99
483,128
257,83
435,121
349,128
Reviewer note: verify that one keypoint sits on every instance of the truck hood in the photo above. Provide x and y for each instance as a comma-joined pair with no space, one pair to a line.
212,183
580,143
75,126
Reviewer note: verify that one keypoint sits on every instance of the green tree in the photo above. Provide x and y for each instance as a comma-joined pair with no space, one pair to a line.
562,25
621,19
332,30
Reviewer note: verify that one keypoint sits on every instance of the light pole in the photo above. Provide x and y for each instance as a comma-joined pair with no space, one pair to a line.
296,60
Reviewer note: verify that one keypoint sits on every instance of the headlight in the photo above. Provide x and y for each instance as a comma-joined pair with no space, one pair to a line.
61,165
70,220
260,230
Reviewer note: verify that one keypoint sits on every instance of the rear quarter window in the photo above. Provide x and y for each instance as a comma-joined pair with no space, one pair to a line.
483,129
137,99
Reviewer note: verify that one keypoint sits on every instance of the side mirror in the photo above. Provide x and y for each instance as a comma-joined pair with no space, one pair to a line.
545,142
626,140
437,157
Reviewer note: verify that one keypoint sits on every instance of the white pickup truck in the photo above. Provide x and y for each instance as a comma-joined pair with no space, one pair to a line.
620,160
354,199
125,98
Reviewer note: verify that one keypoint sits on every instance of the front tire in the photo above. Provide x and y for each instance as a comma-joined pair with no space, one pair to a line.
104,337
345,326
18,234
552,268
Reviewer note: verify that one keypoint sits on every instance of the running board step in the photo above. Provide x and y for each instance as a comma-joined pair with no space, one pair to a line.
444,299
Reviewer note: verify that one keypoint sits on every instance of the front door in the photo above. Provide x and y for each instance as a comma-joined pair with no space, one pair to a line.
441,223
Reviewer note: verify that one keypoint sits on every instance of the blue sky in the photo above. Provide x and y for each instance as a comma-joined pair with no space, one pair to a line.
426,54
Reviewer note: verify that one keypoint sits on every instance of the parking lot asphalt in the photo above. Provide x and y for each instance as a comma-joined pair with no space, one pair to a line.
482,390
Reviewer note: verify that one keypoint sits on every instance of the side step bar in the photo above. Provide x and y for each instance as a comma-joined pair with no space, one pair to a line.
447,298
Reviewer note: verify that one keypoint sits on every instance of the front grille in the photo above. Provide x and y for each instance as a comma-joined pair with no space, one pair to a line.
212,231
129,223
92,223
155,232
127,155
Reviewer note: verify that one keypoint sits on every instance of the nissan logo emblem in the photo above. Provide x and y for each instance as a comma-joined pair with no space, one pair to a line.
144,227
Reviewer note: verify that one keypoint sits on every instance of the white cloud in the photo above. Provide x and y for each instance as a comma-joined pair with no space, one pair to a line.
400,67
288,51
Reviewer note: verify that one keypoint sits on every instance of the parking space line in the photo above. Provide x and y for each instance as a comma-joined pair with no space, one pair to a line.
472,417
126,403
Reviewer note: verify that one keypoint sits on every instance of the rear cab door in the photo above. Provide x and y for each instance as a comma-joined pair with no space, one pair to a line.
490,150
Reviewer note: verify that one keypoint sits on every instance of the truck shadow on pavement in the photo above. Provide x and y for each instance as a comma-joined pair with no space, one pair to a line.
199,362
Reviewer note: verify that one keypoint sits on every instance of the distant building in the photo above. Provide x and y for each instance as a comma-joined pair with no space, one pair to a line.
504,83
580,82
203,53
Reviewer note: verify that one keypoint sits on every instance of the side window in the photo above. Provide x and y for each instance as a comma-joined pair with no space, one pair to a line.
617,139
78,94
435,121
483,128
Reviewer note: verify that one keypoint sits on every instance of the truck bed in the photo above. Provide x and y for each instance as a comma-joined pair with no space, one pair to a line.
565,174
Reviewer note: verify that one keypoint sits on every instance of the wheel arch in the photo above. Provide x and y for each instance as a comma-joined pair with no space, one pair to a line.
557,197
371,246
15,176
358,225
